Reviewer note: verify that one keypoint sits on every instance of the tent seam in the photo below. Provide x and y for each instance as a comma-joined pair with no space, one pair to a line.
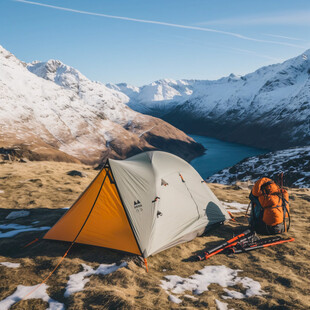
125,209
92,208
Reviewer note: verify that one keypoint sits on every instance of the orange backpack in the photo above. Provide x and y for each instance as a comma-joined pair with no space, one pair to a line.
270,208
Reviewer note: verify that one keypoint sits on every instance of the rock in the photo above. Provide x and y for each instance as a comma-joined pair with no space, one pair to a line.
76,173
244,185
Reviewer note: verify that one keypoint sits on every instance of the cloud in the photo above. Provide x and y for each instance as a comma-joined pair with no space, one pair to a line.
232,34
297,18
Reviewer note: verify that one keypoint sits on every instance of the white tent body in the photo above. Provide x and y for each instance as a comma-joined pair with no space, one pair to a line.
166,200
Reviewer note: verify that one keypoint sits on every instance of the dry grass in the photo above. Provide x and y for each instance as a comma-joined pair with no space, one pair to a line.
44,189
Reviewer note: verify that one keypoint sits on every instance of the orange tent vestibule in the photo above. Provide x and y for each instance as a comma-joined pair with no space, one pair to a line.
101,212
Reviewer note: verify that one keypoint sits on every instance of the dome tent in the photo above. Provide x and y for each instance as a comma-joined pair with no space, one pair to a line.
142,205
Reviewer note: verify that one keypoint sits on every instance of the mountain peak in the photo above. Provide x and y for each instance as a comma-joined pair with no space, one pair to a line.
70,78
56,71
9,59
50,111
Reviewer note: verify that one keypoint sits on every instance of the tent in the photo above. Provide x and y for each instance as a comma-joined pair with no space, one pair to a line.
142,205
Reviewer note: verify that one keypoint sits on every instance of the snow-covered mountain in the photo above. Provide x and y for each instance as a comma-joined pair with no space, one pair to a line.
294,162
156,98
108,102
51,111
269,108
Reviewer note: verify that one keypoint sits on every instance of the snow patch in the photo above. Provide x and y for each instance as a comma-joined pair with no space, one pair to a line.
221,275
77,281
17,214
10,265
15,229
221,305
190,297
40,293
234,206
174,299
232,294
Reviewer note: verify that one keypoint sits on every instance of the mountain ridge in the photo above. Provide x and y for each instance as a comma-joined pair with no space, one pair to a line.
56,113
268,108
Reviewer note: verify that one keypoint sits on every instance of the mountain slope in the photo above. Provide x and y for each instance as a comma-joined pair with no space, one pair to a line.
295,163
59,114
269,108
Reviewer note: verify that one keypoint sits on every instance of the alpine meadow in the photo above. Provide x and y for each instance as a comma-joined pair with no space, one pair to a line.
154,155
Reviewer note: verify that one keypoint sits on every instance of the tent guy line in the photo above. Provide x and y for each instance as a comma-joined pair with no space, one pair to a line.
233,34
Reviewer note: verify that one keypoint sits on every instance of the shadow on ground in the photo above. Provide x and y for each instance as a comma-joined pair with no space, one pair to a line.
14,247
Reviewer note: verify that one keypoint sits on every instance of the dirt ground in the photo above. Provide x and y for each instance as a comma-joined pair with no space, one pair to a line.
45,189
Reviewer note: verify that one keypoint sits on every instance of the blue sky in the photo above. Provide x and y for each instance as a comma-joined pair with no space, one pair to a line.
193,39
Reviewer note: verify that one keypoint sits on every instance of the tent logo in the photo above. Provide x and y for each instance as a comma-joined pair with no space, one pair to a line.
163,182
137,204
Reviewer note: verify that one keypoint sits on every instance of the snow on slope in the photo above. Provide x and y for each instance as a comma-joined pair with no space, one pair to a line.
54,110
162,94
97,95
295,163
272,102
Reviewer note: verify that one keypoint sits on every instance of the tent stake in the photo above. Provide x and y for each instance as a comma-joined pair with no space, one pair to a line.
146,267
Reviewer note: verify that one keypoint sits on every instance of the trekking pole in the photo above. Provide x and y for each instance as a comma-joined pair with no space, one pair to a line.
246,212
249,243
228,243
260,246
281,179
265,240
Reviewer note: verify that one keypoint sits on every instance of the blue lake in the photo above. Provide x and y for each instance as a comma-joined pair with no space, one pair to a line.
220,155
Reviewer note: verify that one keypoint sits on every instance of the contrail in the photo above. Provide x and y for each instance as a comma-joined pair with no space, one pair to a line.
283,37
237,35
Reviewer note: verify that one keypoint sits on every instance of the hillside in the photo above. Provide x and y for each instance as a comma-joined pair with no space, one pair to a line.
269,108
97,278
294,162
50,111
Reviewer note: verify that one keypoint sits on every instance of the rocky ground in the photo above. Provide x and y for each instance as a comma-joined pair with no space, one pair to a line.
271,278
293,162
